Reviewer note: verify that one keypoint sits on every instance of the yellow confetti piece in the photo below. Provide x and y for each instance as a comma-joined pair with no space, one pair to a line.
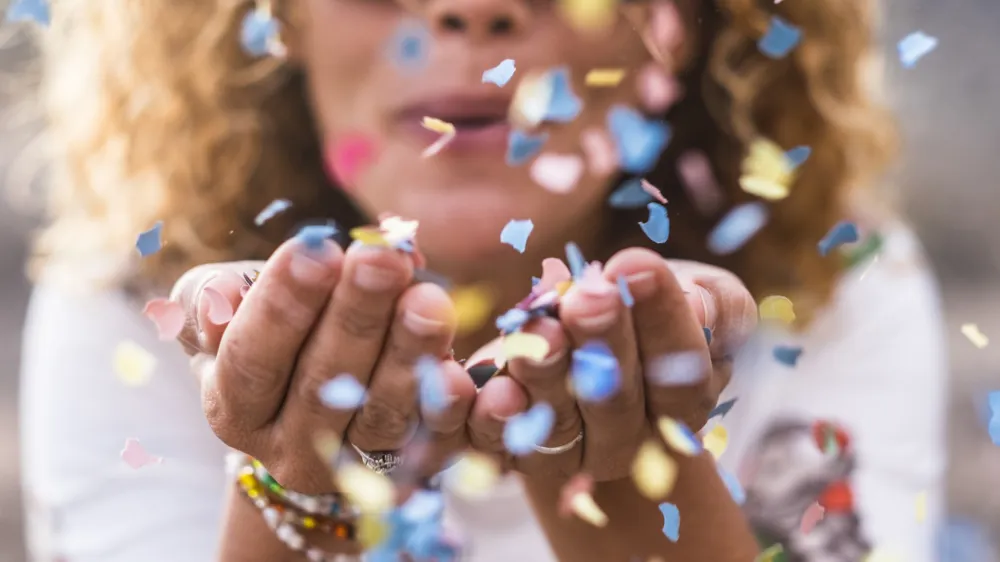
764,188
586,508
133,364
531,100
327,444
589,15
474,476
921,507
882,555
473,305
521,344
676,437
369,491
716,441
438,126
372,530
605,77
770,554
766,159
653,471
977,337
777,308
369,236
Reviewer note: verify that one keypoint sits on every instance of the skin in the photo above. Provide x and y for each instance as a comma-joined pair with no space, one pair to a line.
315,313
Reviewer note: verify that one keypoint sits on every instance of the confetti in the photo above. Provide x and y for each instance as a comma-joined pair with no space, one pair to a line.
623,291
671,521
531,100
764,188
653,191
473,305
150,241
737,227
777,308
880,554
914,47
766,171
699,182
604,77
962,540
342,392
473,476
722,409
679,437
522,146
639,142
564,106
575,499
136,456
843,232
733,485
584,506
812,515
523,432
630,195
133,364
348,158
409,45
975,335
653,471
993,400
798,155
708,335
500,74
366,489
921,507
657,227
220,310
369,236
516,233
167,316
716,441
521,344
787,354
445,129
595,373
599,151
678,369
259,34
313,236
780,39
433,393
30,10
589,15
657,90
574,257
558,173
771,553
273,209
512,320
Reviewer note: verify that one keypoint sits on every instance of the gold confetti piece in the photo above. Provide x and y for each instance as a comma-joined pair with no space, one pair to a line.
716,441
777,308
978,338
676,437
473,305
438,126
372,530
770,554
653,471
921,507
369,491
133,364
369,236
764,188
589,15
521,344
586,508
473,476
605,77
766,159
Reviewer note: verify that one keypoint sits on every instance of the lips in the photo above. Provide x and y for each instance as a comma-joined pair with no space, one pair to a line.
480,121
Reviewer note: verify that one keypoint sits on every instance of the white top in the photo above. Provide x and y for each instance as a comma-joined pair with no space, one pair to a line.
875,363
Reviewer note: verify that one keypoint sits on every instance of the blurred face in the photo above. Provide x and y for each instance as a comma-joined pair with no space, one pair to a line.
464,195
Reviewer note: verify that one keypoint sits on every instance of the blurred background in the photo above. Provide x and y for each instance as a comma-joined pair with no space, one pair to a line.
951,124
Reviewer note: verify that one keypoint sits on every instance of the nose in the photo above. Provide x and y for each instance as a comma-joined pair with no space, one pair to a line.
479,19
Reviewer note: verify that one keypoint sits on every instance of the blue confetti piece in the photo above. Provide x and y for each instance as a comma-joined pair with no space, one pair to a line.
422,506
657,227
595,373
30,10
737,227
433,395
564,106
312,236
993,399
500,74
798,155
671,521
150,242
409,45
964,540
528,430
623,290
516,233
722,409
780,39
522,146
787,354
914,47
258,32
342,392
708,335
844,232
575,260
272,209
733,485
512,320
639,141
535,280
630,195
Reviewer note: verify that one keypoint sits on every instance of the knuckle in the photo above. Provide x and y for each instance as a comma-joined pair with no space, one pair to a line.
381,421
360,324
245,368
281,305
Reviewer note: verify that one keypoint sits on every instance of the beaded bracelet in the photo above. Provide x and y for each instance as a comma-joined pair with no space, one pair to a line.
326,505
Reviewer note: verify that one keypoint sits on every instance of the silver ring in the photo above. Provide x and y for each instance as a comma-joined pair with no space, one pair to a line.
560,448
380,462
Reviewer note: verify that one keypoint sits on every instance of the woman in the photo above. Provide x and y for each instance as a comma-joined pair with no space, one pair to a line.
160,116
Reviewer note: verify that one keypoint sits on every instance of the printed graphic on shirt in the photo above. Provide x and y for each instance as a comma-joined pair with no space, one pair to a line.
799,494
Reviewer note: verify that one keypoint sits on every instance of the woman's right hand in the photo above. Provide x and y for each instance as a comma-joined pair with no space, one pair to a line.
316,312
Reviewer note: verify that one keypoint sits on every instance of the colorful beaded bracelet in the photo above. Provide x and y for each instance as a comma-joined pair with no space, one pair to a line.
326,505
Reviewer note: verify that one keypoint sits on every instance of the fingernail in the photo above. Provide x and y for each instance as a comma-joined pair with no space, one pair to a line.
421,325
501,419
373,278
312,265
202,303
642,285
548,361
702,304
599,322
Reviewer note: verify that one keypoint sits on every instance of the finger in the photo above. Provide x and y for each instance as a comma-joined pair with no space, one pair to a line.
424,325
593,311
721,302
447,427
260,344
546,381
199,333
348,337
671,341
500,399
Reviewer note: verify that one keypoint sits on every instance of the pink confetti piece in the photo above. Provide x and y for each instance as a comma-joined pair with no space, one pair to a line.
600,152
348,157
813,515
699,181
657,90
665,27
220,310
558,173
167,316
654,191
136,456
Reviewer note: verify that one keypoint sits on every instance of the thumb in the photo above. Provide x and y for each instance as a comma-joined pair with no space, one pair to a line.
209,295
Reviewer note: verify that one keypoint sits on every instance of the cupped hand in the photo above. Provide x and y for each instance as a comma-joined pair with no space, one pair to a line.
674,351
313,313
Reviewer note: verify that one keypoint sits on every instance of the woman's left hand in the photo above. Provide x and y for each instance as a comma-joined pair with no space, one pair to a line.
667,365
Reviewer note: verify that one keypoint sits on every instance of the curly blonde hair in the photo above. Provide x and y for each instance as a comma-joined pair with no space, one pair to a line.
160,115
